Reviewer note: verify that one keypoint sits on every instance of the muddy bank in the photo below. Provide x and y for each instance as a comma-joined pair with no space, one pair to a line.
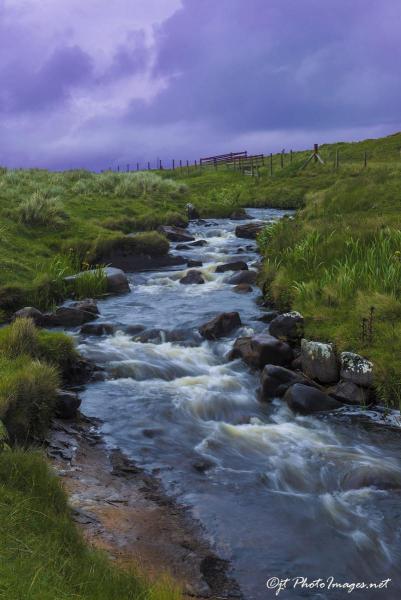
124,511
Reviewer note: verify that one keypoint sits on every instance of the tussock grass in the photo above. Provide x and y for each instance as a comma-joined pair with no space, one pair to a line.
41,210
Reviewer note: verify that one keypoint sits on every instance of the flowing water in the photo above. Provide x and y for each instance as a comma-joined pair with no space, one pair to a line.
270,487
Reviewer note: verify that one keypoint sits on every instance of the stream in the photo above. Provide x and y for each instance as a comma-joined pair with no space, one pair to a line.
267,485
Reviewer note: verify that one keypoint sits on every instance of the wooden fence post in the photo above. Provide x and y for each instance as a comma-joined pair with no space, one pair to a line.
365,160
271,164
148,166
282,159
160,164
337,163
196,164
173,163
127,168
290,156
187,167
118,168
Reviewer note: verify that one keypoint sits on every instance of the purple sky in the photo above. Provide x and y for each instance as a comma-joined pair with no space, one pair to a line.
95,83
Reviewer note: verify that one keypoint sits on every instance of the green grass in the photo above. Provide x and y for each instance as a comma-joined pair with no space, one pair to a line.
339,263
43,556
32,364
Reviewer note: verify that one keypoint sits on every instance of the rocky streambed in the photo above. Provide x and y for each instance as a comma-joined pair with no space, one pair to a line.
263,440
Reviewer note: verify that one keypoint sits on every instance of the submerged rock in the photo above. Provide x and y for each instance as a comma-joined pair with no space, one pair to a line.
288,326
260,350
356,369
242,277
379,477
238,265
305,400
97,329
243,288
194,263
192,277
67,404
198,243
220,326
175,234
319,361
249,230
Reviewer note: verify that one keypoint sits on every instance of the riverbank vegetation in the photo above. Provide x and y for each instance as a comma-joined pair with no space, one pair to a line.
43,554
339,263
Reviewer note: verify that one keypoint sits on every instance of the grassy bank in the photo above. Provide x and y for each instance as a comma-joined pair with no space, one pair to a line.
339,262
42,553
43,556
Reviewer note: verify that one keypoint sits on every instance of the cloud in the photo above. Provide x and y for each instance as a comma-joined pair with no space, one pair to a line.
93,83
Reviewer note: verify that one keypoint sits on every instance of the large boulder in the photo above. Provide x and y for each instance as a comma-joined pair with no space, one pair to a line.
192,277
220,326
73,315
116,280
306,400
242,277
261,349
288,326
67,404
319,361
276,380
175,234
249,230
350,393
356,369
29,312
238,265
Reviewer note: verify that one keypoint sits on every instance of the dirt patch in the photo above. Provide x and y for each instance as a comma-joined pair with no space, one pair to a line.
125,511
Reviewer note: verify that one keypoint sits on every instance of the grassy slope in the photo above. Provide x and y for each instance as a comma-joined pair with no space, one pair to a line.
339,261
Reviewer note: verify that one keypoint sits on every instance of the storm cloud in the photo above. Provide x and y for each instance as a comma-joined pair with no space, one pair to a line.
96,84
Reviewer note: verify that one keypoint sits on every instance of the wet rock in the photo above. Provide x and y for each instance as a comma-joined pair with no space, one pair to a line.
29,312
260,350
183,247
67,404
319,361
133,329
249,230
238,265
198,243
220,326
350,393
379,477
98,329
239,214
192,212
73,315
288,326
192,277
276,380
203,465
243,288
194,263
268,316
242,277
296,364
175,234
356,369
306,400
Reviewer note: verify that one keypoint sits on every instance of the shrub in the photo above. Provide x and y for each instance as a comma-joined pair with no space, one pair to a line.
40,210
